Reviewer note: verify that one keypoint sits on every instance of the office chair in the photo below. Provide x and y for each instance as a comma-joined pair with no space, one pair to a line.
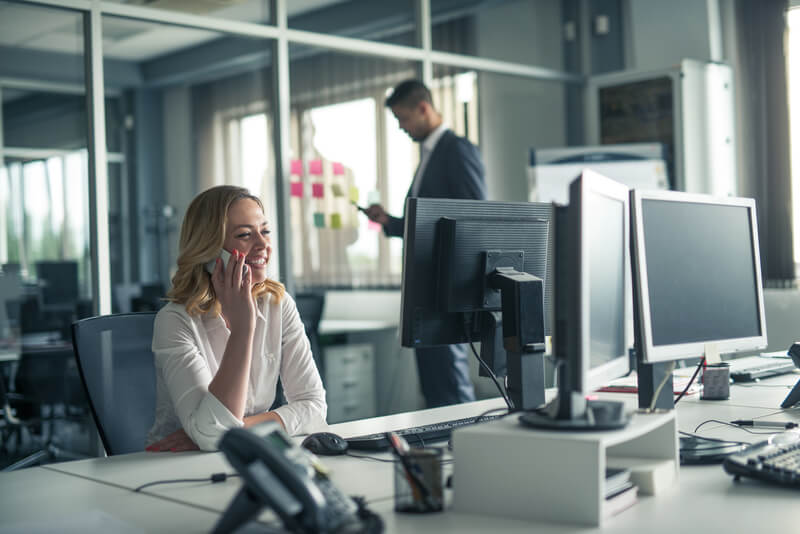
12,426
310,307
45,381
119,376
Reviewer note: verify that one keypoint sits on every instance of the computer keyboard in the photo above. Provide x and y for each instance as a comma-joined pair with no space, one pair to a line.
752,368
776,460
417,435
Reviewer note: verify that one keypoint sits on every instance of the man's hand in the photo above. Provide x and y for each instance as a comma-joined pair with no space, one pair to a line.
178,441
377,214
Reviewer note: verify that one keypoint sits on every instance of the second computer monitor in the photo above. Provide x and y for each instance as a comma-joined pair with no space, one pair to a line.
697,275
593,284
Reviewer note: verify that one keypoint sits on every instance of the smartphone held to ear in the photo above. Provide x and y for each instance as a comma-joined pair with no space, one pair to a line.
224,256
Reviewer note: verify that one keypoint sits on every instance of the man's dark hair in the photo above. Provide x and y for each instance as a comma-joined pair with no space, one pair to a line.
408,94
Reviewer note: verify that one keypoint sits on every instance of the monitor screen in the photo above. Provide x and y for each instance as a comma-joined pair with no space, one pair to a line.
697,274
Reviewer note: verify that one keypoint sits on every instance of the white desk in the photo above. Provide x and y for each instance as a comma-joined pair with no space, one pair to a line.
352,326
705,500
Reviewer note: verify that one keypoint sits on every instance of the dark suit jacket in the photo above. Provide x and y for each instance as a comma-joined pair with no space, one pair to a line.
454,170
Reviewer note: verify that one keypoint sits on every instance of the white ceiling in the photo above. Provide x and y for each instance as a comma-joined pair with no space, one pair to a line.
54,30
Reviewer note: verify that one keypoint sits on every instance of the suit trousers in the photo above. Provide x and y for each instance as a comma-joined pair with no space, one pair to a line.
444,375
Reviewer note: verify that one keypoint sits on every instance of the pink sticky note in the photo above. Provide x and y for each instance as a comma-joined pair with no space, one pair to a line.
338,168
315,167
297,167
317,190
374,226
296,189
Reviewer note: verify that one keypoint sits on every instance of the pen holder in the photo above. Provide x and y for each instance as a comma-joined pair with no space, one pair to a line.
716,381
426,465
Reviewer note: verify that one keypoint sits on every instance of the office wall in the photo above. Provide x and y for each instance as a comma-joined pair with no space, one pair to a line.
516,114
660,33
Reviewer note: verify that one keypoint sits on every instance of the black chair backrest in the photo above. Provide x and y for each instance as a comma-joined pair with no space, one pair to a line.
118,373
310,307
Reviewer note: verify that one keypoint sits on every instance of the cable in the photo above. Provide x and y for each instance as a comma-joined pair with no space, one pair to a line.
731,424
664,380
214,478
367,457
483,364
487,412
691,381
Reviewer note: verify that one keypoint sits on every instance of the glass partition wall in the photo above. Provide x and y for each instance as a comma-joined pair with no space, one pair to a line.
115,114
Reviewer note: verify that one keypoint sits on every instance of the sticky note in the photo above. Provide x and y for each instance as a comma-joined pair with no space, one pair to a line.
373,197
296,189
337,190
319,220
374,226
315,167
354,194
317,190
296,167
336,221
338,168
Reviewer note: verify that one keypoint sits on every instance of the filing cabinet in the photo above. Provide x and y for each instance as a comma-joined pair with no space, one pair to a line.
349,379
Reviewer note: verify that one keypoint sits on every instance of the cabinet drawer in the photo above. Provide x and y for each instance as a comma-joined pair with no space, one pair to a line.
350,361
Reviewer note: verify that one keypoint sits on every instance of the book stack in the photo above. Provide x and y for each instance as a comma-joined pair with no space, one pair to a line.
620,491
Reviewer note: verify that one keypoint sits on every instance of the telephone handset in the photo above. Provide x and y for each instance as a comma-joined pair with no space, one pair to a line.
794,395
290,480
225,256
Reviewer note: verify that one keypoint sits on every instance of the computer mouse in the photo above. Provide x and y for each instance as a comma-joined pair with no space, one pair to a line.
325,444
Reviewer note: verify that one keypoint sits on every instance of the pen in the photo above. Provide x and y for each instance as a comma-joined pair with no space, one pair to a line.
400,448
764,424
361,209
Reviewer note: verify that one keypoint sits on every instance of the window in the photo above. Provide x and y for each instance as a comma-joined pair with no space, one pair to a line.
38,226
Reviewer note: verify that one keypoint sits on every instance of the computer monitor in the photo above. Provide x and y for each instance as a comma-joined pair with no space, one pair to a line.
697,279
453,253
592,304
698,274
59,284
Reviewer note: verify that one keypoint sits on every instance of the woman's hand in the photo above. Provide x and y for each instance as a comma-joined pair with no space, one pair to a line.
232,286
178,441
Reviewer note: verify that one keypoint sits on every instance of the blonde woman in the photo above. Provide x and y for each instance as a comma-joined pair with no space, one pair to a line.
225,338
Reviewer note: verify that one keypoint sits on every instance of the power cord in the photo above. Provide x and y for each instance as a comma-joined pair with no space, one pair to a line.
664,381
731,424
483,364
691,381
214,478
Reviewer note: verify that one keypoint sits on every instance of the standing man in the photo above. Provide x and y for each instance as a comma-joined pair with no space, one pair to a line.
450,167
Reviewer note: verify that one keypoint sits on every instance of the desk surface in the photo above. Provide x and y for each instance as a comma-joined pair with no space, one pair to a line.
346,326
705,498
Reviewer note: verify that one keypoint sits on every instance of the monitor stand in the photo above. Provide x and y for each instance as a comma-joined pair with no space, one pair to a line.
572,411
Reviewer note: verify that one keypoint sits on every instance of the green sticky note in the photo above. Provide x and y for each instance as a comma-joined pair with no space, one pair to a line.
337,190
319,220
353,194
336,221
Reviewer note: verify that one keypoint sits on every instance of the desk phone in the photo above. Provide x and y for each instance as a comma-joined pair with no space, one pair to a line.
289,480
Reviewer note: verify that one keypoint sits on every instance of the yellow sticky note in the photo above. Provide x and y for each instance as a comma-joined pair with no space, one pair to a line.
353,194
336,221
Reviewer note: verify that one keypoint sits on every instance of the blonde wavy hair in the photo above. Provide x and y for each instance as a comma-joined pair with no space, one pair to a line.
202,236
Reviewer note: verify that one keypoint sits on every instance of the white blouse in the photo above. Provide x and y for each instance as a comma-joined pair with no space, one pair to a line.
188,351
